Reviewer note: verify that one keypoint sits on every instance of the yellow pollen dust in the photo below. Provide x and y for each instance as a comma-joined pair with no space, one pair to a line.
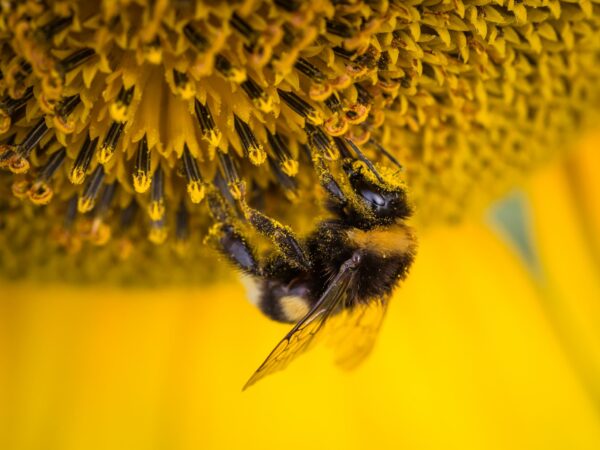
196,190
156,210
141,182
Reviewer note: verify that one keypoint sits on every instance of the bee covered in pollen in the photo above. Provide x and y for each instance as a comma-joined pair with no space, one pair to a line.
338,279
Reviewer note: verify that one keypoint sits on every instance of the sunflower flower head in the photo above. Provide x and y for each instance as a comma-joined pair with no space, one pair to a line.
117,117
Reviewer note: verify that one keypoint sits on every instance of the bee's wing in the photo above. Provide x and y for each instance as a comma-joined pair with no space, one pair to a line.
354,331
303,335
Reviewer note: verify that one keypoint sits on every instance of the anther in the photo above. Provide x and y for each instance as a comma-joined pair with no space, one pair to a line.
55,26
243,27
340,29
231,175
156,209
40,193
105,200
210,133
343,53
357,113
289,166
228,70
363,96
258,96
15,75
88,199
83,160
108,147
289,5
195,185
199,42
118,109
12,109
182,226
158,232
301,108
312,72
18,162
287,183
336,125
128,215
252,148
141,170
152,51
183,85
61,120
76,59
322,143
70,213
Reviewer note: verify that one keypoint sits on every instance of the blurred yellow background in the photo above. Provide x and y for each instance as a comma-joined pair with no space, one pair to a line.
480,350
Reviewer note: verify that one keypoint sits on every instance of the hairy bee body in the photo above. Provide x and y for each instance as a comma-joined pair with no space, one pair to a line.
286,294
346,268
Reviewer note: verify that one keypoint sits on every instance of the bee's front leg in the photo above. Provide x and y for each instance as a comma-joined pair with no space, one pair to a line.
226,236
280,235
235,247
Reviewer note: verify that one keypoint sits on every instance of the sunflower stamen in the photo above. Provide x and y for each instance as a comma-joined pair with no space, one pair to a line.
243,27
288,165
12,109
183,86
258,96
228,70
118,109
76,59
321,142
158,231
83,160
210,132
88,199
141,170
289,5
19,161
108,147
286,182
340,29
182,225
230,172
40,193
156,209
55,26
252,148
311,71
195,184
301,108
199,42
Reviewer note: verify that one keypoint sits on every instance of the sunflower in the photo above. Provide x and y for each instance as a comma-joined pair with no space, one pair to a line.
118,116
118,119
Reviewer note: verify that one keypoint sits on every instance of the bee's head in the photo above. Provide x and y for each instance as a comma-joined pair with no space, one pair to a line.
383,201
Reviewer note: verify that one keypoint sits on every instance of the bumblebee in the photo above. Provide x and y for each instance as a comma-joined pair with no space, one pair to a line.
336,281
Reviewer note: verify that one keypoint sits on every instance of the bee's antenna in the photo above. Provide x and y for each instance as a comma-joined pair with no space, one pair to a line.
387,154
364,159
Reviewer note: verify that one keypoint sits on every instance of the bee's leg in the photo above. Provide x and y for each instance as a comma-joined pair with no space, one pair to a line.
280,235
227,237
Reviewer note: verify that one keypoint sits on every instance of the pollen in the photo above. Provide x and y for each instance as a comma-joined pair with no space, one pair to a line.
160,103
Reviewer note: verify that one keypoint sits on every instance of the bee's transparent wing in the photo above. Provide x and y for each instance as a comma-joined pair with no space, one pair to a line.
353,332
305,332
